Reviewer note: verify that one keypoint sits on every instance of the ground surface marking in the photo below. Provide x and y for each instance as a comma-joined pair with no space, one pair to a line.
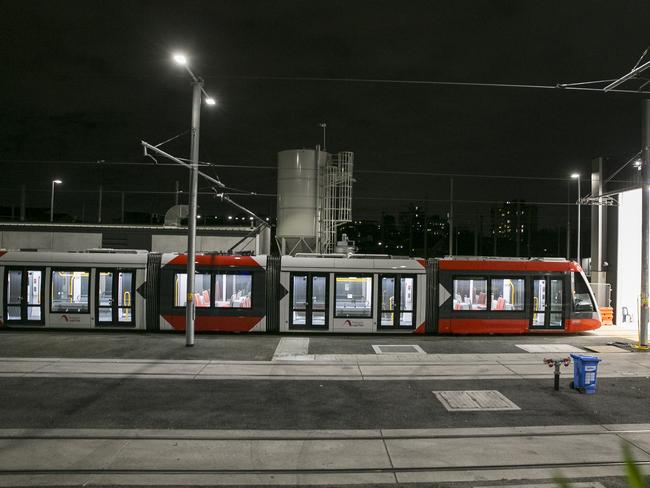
474,400
290,347
549,348
398,349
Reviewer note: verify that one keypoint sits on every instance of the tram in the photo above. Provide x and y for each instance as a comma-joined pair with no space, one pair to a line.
140,290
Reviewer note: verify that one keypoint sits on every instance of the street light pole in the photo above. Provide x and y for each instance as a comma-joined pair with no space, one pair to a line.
54,182
197,91
579,206
645,228
576,176
197,88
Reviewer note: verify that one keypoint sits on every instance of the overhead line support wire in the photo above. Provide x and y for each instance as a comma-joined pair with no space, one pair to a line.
559,86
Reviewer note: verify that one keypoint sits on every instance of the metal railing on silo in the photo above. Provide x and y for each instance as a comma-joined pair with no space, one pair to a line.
337,197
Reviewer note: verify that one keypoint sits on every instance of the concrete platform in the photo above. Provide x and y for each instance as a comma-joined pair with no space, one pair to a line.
331,367
100,457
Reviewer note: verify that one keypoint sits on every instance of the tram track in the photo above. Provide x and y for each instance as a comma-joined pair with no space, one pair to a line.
272,436
294,477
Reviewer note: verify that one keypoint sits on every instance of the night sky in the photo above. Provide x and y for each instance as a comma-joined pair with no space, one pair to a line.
87,80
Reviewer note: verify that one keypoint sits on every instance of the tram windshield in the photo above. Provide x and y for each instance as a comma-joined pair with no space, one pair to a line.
582,301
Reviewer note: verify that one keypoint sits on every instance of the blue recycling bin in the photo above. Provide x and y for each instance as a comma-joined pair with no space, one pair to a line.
584,373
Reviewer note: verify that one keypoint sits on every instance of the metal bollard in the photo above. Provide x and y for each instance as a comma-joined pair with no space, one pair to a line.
557,363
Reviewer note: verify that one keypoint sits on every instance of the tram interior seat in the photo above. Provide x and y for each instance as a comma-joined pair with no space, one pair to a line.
202,300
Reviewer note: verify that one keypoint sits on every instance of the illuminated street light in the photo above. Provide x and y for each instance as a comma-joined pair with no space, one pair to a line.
54,182
197,91
180,58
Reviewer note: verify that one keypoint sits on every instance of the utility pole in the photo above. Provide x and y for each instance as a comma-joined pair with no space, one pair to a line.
99,206
451,216
323,126
197,88
518,229
23,201
568,220
122,212
645,226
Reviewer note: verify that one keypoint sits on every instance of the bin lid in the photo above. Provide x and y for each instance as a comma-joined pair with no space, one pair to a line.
581,357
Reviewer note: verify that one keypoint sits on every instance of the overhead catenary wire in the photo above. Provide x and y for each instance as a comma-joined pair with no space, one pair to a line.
558,86
274,195
274,168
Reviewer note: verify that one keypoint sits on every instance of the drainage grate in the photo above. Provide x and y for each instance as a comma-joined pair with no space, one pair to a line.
398,349
474,400
549,348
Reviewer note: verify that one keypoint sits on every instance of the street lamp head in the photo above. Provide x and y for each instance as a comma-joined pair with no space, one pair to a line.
575,176
210,101
180,59
57,182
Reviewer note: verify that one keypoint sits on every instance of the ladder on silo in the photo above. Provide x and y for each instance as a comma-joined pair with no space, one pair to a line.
336,197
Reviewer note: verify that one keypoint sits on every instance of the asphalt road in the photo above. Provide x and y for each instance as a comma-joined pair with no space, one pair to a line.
231,404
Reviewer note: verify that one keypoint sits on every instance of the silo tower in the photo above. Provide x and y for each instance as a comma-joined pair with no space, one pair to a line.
314,199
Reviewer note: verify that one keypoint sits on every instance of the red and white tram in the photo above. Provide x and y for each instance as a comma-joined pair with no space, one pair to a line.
305,293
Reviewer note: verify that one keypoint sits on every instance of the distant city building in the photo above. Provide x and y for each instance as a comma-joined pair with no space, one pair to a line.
512,227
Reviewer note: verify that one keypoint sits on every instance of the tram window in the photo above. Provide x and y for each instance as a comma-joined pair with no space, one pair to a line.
202,283
353,296
581,297
507,294
470,294
233,290
69,291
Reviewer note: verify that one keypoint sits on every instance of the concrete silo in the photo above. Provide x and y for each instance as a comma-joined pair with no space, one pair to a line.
314,197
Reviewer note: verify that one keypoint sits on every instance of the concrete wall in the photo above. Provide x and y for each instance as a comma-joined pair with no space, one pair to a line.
178,243
80,241
628,280
50,241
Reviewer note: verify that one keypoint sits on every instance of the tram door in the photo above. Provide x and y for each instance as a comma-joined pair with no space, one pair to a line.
23,303
546,310
115,297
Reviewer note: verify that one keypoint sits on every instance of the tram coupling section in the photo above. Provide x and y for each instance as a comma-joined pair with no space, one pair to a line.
557,363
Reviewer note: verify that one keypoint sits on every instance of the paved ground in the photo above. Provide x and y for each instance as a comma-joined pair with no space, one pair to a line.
253,347
304,405
114,409
103,344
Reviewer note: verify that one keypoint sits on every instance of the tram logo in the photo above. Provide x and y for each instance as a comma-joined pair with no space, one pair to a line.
349,323
69,318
